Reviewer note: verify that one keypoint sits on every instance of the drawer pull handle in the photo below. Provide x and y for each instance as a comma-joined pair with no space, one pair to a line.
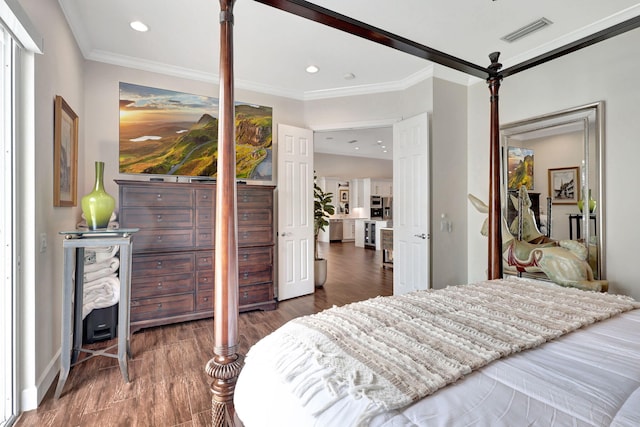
205,279
245,217
205,196
245,256
159,306
159,238
245,275
245,294
159,218
159,264
159,196
245,198
159,284
206,299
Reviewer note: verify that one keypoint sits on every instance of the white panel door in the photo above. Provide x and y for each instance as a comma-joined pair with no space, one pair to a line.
411,258
295,212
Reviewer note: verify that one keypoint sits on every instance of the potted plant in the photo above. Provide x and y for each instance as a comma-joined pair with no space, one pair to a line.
322,208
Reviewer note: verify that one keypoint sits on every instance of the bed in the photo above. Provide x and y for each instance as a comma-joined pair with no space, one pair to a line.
319,370
536,365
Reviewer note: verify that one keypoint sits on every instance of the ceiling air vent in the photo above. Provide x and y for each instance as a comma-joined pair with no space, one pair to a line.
526,30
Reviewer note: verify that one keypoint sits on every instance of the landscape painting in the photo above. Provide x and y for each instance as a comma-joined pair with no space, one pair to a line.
520,168
163,132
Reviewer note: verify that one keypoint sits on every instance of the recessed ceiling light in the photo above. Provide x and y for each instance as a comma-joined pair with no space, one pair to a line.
139,26
384,146
357,148
312,69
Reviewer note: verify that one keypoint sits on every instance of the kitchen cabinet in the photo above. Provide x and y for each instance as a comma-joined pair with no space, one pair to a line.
359,192
348,229
382,187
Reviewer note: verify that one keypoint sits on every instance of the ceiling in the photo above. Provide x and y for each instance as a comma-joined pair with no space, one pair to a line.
273,48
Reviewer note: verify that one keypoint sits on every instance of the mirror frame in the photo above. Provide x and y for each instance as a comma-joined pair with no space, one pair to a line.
590,118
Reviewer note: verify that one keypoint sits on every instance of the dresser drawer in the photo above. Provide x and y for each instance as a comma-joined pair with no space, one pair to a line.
204,279
206,197
161,265
148,239
254,197
154,286
259,255
205,237
157,218
204,260
204,300
254,294
255,216
255,236
159,307
205,217
255,273
133,196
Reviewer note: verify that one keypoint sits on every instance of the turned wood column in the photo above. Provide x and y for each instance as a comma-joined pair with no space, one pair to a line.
494,270
226,363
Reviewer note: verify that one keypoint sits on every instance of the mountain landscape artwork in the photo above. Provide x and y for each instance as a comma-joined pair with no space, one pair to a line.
163,132
520,168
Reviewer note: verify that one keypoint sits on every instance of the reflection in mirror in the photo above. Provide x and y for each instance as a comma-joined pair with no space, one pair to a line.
559,159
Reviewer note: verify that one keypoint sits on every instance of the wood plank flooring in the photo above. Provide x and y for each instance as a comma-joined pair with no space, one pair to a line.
168,384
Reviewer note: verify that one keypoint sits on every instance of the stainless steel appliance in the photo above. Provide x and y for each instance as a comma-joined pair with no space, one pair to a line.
370,234
376,202
376,213
335,230
387,208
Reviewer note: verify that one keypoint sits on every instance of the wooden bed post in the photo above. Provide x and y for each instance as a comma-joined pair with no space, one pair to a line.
494,270
226,363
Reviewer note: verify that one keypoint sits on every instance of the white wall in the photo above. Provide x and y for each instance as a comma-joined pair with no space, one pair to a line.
607,71
448,183
102,113
349,167
59,71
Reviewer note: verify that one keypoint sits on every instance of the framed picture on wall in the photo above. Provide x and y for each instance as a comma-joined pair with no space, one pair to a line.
520,168
65,154
344,195
564,185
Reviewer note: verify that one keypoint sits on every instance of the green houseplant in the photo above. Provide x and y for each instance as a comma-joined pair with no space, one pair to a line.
322,208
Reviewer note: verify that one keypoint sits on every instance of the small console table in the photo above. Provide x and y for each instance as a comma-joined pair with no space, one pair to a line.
577,218
74,245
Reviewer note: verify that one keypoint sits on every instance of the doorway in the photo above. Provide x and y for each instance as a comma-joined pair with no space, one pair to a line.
352,158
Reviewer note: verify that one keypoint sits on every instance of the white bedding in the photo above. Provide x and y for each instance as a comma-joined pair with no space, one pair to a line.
590,377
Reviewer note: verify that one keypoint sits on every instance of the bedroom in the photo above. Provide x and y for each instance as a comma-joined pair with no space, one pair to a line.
89,85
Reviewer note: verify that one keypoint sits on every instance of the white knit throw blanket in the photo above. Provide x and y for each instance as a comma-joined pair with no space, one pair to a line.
397,350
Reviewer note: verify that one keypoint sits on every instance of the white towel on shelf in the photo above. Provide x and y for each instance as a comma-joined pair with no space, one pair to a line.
93,255
100,293
101,269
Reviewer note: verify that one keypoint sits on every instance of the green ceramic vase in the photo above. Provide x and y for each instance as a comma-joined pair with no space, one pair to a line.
98,205
592,204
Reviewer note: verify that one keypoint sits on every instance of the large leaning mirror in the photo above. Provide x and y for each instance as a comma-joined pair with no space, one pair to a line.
558,158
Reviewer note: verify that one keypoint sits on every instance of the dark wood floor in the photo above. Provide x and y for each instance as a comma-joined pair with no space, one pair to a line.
168,384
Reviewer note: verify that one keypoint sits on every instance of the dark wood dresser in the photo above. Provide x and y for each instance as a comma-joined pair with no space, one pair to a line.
173,253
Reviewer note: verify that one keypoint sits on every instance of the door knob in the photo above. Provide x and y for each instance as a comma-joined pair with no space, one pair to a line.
422,236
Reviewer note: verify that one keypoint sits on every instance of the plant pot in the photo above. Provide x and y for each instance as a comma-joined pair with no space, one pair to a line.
320,272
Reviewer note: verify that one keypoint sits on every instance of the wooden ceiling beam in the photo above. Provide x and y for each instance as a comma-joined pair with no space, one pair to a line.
341,22
335,20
